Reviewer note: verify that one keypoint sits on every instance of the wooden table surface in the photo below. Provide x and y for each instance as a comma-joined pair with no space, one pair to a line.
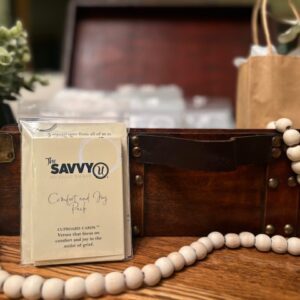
225,274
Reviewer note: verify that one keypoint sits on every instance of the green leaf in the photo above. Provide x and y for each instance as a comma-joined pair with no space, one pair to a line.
14,57
5,57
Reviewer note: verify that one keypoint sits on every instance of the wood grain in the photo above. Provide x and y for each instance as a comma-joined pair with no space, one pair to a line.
225,274
10,178
193,202
190,46
183,202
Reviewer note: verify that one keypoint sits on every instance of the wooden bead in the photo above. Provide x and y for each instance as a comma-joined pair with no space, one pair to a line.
75,288
296,167
177,260
166,267
263,243
134,277
271,125
200,250
293,153
247,239
207,243
12,287
189,255
152,275
232,240
294,246
279,244
283,124
217,239
32,287
291,137
3,276
115,283
53,289
95,285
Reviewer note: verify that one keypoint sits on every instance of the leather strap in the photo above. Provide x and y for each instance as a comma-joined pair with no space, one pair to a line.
206,155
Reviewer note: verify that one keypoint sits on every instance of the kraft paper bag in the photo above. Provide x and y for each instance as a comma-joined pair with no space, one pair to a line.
268,86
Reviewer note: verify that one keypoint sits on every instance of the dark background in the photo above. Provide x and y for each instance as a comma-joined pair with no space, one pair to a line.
45,21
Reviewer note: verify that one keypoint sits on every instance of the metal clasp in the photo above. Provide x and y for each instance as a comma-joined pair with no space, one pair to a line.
7,152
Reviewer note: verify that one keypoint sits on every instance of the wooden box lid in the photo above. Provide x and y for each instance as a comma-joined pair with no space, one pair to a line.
158,42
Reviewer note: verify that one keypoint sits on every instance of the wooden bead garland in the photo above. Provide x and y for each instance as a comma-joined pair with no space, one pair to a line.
232,240
294,246
134,278
3,276
271,125
75,288
53,289
96,285
283,124
207,243
279,244
115,283
217,239
152,274
177,260
293,153
291,138
200,249
247,239
189,255
296,167
32,287
165,266
263,243
12,287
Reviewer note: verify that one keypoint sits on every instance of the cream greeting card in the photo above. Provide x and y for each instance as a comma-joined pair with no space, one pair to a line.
75,205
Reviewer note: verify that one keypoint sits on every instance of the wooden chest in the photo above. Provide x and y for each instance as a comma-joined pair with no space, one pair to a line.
183,181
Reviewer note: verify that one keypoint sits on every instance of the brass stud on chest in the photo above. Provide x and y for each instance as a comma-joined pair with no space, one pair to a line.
273,183
270,229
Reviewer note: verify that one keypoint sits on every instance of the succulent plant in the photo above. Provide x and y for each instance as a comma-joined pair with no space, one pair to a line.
281,11
14,57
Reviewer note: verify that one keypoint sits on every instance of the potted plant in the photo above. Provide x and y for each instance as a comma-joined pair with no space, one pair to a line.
14,57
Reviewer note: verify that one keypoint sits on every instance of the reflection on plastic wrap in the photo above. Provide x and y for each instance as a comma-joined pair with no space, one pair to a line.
145,106
209,113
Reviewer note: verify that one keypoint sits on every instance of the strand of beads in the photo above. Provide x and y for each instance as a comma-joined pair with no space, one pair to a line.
95,285
291,138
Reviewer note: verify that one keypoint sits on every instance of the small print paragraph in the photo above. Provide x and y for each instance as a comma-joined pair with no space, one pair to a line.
78,237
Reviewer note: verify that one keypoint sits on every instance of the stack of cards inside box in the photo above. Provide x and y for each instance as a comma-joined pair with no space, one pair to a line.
75,193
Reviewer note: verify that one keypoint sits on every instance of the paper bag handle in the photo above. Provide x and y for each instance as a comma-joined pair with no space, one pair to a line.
261,5
254,21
